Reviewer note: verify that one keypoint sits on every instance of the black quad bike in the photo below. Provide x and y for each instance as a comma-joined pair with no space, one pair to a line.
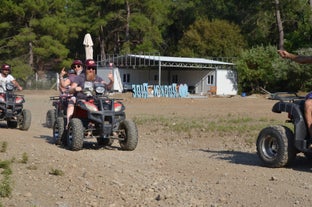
12,110
59,104
56,117
98,117
277,146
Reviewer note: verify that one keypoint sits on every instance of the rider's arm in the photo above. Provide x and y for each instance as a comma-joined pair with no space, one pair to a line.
16,84
74,88
111,81
297,58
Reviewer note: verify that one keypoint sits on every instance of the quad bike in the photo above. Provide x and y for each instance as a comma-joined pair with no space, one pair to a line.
55,117
59,104
277,146
11,108
100,117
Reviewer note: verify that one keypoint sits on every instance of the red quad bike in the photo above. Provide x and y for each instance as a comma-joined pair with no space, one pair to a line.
277,146
99,117
11,109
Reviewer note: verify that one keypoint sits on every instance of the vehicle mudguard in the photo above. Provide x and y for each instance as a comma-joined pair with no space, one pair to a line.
296,110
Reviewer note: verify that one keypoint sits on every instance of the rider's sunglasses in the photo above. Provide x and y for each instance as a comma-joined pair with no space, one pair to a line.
91,68
76,66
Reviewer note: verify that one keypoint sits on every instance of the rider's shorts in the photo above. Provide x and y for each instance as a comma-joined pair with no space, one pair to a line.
309,96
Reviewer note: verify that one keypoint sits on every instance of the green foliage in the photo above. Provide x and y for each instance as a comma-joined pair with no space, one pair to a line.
5,184
216,38
24,159
20,69
56,172
256,68
230,125
261,66
4,147
38,35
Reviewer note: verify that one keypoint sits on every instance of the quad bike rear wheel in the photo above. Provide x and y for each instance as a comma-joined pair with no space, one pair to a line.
75,134
50,118
25,120
129,134
58,130
275,146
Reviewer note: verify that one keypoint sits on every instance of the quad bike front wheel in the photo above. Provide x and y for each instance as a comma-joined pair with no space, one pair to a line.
75,134
128,135
58,130
50,118
25,120
275,146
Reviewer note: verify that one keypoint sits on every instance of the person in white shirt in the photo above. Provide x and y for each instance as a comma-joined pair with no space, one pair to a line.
5,77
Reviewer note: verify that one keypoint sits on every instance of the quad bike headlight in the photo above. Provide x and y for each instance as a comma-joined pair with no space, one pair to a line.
100,90
10,87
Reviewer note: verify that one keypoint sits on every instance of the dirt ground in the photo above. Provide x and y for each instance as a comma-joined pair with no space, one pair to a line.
166,168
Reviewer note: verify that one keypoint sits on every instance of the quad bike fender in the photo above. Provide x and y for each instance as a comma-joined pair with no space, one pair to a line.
295,110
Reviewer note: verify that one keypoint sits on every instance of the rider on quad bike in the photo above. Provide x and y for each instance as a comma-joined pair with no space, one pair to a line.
60,102
11,105
95,115
278,145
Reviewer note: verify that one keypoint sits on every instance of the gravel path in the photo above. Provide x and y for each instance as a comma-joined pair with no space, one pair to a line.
166,168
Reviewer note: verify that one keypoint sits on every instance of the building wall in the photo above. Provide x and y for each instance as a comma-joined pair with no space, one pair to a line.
224,80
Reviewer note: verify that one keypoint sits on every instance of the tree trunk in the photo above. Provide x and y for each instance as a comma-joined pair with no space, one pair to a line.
102,45
128,19
279,25
31,55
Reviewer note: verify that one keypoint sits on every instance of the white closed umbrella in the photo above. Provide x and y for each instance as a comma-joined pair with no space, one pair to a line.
88,43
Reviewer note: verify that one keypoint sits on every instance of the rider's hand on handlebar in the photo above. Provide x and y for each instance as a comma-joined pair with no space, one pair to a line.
78,88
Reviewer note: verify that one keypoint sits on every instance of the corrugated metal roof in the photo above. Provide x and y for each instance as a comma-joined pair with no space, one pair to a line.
180,59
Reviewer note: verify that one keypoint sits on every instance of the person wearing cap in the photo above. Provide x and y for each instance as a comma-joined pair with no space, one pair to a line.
5,77
77,85
75,69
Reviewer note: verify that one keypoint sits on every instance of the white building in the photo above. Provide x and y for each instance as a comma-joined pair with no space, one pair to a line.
201,75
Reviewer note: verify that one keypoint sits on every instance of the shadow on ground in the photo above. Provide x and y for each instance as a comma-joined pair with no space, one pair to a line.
301,163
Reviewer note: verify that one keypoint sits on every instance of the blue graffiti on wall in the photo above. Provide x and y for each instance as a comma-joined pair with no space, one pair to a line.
170,91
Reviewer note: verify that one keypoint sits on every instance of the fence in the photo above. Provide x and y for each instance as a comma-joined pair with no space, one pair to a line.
45,82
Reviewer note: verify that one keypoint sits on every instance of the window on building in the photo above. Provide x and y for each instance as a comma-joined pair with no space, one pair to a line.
210,79
126,78
175,79
155,77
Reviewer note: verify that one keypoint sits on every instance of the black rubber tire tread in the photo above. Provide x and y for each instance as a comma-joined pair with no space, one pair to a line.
130,133
26,120
58,130
275,146
75,134
50,118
